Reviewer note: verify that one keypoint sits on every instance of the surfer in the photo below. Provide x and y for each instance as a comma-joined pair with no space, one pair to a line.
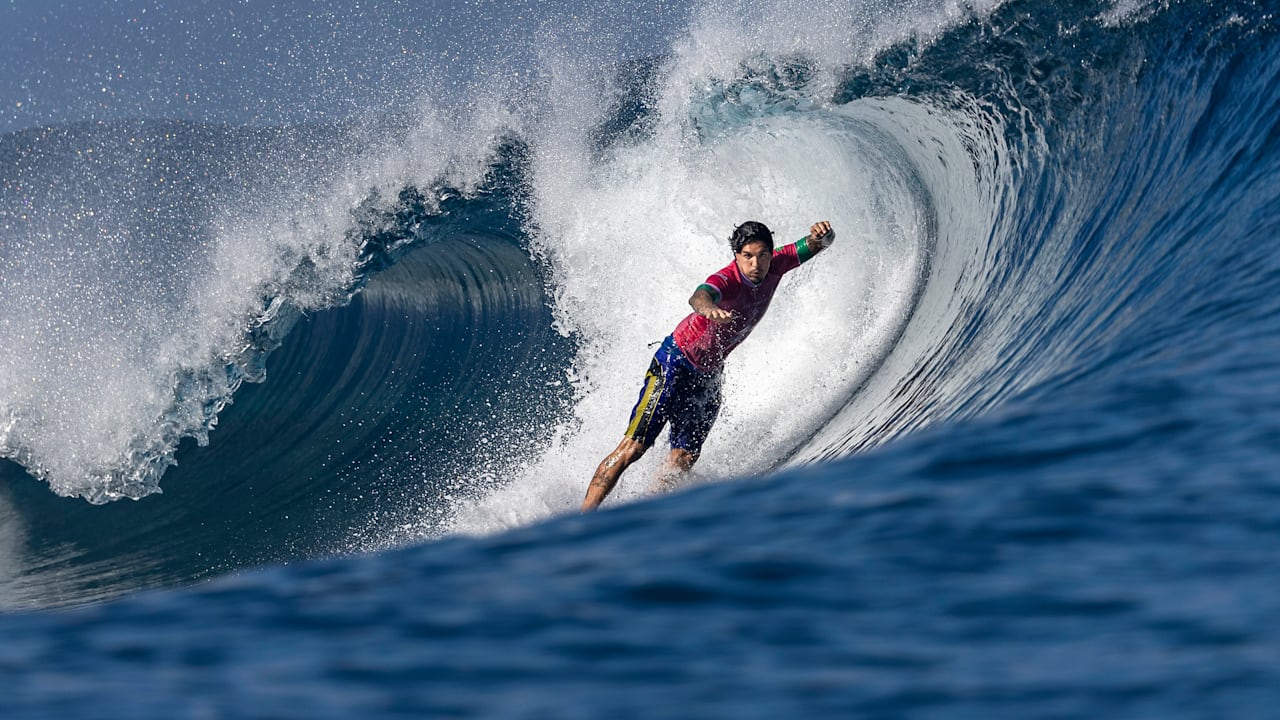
682,386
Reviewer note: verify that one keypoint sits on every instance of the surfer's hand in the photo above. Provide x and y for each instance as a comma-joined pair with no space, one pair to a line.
717,315
819,232
703,304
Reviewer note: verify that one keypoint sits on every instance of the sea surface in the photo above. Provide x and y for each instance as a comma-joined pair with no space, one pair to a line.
295,419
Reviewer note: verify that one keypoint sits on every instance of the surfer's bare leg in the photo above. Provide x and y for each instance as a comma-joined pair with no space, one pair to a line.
610,469
678,463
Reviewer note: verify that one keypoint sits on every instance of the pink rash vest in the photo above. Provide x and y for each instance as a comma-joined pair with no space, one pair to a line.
706,344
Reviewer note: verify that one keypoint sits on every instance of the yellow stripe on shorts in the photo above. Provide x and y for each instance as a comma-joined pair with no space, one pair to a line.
648,402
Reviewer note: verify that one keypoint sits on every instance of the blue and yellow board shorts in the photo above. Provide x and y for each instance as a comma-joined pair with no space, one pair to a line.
678,393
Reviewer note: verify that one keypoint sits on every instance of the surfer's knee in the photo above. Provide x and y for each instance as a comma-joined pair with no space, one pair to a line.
678,462
682,459
627,452
631,448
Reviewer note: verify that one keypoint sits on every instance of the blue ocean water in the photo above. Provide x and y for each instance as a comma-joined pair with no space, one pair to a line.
1007,450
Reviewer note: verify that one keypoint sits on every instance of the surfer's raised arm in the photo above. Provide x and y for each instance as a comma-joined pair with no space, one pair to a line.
682,386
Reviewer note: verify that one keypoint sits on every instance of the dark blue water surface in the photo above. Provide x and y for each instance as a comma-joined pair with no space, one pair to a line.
1054,495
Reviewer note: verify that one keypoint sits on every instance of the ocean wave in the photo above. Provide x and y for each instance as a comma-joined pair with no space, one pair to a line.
1027,202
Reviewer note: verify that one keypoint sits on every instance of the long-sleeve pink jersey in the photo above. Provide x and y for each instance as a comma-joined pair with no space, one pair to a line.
706,344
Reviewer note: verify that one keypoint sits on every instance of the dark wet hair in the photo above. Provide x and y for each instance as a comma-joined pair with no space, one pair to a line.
749,232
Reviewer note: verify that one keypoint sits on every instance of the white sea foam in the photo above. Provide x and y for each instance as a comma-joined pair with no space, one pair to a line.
122,339
629,236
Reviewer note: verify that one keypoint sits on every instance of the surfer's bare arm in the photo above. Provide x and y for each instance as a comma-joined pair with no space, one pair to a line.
821,236
703,304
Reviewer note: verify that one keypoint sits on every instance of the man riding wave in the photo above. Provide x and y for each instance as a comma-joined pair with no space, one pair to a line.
683,385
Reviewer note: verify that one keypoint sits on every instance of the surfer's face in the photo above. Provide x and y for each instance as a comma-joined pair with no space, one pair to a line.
753,261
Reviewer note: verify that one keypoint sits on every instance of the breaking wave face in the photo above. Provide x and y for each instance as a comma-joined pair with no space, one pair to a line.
445,313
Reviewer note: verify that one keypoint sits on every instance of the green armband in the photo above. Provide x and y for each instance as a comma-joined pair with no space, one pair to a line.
714,293
802,249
